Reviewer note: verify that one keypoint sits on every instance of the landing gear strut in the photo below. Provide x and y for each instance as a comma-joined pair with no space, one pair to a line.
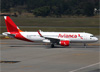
52,45
85,45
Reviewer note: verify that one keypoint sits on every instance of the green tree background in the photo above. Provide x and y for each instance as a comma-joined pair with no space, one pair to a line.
52,7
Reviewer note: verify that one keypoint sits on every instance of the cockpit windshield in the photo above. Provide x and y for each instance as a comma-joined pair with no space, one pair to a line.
91,36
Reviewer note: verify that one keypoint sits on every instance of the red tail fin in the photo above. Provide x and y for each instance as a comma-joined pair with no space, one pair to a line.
11,26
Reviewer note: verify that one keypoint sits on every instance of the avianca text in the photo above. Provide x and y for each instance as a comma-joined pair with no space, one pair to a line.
69,36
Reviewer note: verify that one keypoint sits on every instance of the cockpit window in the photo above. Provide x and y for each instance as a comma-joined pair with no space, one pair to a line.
91,36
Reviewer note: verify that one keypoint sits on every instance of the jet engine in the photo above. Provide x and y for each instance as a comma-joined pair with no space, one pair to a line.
64,43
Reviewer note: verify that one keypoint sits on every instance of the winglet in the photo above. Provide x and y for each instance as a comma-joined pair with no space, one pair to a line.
39,33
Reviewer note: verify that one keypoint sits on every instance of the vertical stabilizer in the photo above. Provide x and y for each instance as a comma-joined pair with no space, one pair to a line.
11,26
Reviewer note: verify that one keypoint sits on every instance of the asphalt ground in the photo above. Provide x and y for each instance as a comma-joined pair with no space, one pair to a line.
20,56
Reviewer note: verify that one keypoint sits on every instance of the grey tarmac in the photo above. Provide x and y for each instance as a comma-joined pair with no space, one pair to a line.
21,56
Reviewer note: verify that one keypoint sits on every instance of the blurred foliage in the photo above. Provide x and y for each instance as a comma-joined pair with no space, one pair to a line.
52,7
42,11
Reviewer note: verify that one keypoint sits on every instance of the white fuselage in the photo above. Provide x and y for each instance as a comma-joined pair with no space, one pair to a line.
71,36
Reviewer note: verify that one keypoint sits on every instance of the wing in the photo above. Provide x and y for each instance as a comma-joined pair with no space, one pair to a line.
52,39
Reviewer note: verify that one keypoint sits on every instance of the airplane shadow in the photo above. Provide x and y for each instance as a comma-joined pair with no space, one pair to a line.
73,47
49,47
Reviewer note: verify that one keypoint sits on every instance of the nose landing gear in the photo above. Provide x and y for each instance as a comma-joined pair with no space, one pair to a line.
85,45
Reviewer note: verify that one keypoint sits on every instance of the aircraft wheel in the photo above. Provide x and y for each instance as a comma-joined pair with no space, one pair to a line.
52,45
85,45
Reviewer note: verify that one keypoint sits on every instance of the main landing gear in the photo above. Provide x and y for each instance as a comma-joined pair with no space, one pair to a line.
52,45
85,45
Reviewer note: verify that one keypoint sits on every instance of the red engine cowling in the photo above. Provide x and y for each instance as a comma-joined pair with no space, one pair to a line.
64,43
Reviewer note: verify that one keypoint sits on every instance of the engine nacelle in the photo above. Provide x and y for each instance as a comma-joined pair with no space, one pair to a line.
64,43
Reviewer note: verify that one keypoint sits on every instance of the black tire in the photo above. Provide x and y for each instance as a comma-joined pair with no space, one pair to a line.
52,45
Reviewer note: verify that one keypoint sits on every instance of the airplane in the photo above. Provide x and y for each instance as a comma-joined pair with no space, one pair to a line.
59,38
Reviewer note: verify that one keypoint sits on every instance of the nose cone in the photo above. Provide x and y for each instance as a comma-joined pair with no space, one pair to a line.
96,39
